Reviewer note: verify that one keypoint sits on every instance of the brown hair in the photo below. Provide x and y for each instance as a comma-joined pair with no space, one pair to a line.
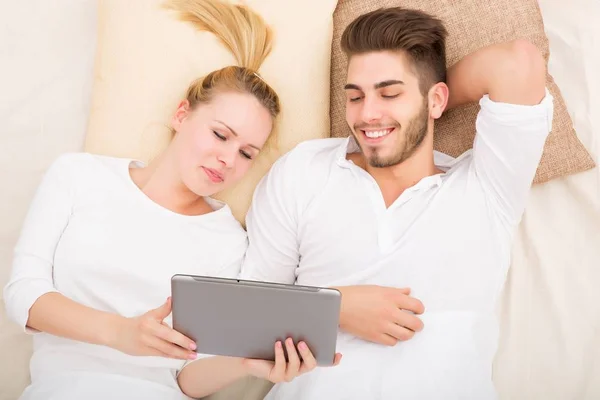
248,38
421,36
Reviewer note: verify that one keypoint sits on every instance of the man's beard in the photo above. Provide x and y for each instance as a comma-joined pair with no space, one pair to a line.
416,131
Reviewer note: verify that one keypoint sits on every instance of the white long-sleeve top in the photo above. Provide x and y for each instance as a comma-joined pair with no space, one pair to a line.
94,236
318,219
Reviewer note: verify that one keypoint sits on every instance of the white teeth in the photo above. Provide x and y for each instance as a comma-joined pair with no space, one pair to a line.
377,134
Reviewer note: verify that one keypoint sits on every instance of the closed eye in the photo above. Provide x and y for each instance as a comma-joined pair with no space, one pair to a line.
393,96
218,135
355,99
245,155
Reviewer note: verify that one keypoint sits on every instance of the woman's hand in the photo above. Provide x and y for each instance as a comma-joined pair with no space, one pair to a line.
280,371
148,335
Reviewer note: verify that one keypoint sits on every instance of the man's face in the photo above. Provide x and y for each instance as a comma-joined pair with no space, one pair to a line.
385,109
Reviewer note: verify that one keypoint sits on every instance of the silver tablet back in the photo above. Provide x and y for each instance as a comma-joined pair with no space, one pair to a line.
240,318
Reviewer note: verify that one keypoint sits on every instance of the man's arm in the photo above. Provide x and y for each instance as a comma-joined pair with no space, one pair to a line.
515,119
272,223
512,72
370,312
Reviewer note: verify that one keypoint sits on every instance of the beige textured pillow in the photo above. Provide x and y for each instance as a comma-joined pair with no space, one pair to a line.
471,24
146,59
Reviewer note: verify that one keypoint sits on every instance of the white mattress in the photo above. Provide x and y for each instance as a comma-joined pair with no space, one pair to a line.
550,343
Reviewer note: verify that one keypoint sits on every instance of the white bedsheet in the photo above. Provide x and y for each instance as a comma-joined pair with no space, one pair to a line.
46,59
550,340
550,343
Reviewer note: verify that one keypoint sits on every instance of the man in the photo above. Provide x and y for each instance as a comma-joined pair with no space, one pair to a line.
417,242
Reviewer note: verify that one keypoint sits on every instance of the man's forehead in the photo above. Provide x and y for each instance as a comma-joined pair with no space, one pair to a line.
371,68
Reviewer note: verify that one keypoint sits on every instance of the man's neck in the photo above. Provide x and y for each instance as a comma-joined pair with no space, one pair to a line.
393,181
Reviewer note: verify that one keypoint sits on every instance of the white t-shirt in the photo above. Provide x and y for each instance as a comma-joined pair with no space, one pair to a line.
94,236
318,219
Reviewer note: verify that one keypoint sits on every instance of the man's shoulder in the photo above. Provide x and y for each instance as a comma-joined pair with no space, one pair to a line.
314,154
320,145
305,168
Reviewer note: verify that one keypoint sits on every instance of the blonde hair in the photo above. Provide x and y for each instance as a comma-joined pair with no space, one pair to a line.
248,38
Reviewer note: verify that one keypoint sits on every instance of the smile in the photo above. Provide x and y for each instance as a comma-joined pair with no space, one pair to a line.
376,135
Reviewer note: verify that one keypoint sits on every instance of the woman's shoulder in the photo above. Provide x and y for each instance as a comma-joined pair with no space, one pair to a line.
81,172
82,163
79,160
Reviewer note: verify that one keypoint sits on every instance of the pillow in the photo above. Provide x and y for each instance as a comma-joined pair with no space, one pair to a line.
146,59
471,24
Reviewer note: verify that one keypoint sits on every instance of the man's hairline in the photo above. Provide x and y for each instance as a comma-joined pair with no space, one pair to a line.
403,52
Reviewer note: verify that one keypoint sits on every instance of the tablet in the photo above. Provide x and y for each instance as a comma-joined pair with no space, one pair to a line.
239,318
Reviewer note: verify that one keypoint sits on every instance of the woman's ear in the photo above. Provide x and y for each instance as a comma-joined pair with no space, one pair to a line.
438,99
180,114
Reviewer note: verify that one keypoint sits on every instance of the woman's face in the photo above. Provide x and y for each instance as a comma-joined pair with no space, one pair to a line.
217,142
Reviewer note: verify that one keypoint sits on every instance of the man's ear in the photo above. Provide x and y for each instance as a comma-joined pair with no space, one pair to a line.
438,99
181,113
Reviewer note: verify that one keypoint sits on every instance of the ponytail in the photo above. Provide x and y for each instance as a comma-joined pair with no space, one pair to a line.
246,35
240,29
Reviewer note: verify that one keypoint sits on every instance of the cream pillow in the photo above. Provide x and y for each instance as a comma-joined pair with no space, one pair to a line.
146,59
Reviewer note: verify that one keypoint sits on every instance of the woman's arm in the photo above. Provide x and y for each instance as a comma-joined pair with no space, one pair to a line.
145,335
32,300
207,376
47,217
58,315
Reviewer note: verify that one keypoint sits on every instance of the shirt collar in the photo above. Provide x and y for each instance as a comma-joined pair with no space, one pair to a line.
443,161
349,146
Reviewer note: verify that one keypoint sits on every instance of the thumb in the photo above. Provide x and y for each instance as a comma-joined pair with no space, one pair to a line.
163,311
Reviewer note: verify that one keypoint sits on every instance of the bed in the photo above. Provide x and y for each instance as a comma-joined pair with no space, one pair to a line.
550,310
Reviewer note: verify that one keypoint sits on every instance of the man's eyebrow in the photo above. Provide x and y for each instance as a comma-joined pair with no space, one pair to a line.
235,133
379,85
352,86
388,83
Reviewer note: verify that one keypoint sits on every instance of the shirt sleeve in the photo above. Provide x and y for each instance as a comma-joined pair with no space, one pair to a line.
508,146
271,223
48,215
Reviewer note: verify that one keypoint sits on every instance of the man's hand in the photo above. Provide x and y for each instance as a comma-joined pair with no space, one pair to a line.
380,314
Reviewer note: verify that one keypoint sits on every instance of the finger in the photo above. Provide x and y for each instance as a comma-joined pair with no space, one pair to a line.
168,349
409,304
399,332
278,372
163,311
386,340
154,352
397,293
337,359
169,334
408,320
308,360
293,365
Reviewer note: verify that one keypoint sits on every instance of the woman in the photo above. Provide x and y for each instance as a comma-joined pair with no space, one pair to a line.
104,235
